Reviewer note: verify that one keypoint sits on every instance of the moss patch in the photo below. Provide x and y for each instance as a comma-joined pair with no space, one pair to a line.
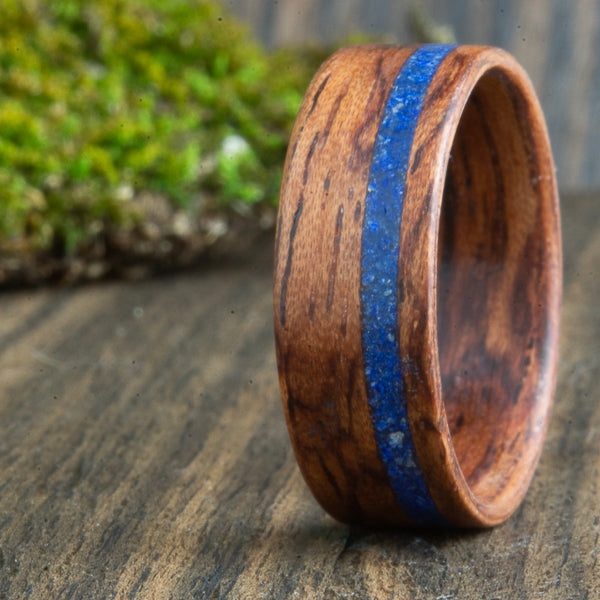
134,134
153,118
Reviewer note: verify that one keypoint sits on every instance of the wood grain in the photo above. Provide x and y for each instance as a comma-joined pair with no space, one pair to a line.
144,454
473,302
336,451
498,287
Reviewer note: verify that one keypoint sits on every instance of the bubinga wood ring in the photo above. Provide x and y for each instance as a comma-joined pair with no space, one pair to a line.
417,285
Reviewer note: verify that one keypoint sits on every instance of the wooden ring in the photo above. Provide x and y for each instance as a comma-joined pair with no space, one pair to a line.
417,285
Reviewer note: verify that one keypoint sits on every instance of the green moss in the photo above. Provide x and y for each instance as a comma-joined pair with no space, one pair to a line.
162,96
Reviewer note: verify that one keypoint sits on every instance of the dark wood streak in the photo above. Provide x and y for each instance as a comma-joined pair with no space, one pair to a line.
344,324
333,113
517,392
434,131
330,477
422,216
339,221
379,83
295,147
288,265
310,111
294,399
312,304
277,240
352,369
454,79
318,94
500,226
292,403
377,98
357,211
309,156
437,91
523,115
466,192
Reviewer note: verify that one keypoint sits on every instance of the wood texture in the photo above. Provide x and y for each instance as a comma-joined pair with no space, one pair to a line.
496,320
498,290
317,332
144,454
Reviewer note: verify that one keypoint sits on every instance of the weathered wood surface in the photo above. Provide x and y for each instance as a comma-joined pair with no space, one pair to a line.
557,42
144,454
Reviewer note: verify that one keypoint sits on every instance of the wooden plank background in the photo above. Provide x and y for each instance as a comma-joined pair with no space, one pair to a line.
144,454
558,42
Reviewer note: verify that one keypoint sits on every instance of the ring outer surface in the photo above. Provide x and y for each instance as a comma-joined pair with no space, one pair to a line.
318,315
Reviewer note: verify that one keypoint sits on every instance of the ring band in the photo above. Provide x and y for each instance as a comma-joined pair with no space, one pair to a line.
417,285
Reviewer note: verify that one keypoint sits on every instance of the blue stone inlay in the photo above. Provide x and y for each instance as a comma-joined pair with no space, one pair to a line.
379,282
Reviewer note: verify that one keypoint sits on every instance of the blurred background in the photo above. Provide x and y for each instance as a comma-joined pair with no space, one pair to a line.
142,135
557,41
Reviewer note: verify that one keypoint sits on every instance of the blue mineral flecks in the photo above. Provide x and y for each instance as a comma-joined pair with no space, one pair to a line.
379,282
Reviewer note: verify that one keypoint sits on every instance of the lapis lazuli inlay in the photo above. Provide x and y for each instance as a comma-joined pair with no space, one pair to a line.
379,282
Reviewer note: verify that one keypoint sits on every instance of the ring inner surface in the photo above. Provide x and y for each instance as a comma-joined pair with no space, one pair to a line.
493,289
